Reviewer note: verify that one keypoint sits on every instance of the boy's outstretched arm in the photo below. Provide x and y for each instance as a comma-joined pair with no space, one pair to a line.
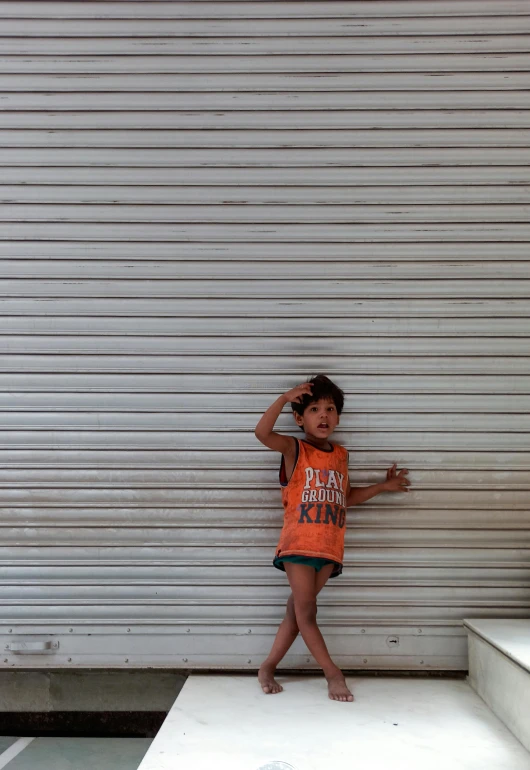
264,429
395,482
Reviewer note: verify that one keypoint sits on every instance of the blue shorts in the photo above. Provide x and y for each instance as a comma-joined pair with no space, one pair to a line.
311,561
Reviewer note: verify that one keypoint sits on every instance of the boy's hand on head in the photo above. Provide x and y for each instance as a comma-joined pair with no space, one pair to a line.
297,394
396,482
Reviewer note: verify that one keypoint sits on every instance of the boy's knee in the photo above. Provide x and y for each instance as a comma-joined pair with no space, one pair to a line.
306,610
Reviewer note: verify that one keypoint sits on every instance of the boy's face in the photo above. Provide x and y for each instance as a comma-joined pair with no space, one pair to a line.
319,419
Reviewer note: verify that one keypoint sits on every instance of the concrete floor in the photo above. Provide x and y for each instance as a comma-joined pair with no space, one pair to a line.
224,722
74,753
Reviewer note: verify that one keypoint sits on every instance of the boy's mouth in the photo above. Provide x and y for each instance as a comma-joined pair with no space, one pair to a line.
323,426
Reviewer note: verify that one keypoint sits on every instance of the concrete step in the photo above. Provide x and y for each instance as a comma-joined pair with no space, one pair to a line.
225,722
499,669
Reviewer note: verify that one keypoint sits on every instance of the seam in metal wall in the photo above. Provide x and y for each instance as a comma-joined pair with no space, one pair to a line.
202,204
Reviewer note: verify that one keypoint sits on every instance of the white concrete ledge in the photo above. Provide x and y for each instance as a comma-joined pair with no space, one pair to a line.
499,670
225,722
511,637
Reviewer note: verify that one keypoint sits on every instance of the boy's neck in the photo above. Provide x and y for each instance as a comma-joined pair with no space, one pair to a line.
319,443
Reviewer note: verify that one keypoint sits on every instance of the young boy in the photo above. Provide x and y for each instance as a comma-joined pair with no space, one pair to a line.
315,492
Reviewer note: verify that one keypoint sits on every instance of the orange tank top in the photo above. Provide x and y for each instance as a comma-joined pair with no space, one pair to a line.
314,501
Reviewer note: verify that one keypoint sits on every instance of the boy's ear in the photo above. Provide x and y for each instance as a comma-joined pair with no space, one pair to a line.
299,420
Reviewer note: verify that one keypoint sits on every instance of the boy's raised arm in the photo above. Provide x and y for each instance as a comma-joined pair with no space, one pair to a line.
264,429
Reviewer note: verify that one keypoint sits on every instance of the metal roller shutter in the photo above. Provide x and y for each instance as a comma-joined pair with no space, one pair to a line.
203,203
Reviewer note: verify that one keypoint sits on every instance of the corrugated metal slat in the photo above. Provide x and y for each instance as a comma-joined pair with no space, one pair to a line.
256,64
221,9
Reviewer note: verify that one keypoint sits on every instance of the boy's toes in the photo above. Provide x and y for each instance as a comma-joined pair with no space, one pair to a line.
271,689
338,689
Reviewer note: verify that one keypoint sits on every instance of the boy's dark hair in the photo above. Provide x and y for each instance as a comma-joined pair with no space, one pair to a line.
322,388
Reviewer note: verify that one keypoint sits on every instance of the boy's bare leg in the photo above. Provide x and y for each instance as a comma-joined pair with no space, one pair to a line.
302,582
287,633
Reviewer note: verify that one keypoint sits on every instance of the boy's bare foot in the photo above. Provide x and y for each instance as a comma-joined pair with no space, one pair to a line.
338,689
267,681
